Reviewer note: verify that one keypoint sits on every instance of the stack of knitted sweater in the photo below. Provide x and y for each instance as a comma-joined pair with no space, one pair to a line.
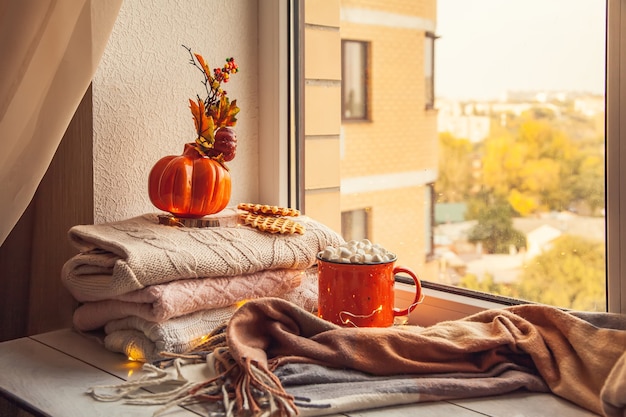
155,288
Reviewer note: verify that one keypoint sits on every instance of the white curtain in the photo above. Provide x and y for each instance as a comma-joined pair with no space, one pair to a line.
49,51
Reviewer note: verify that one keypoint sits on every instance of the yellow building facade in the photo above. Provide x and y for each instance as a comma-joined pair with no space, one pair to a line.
379,168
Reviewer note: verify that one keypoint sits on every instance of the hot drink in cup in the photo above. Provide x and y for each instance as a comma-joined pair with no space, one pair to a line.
356,285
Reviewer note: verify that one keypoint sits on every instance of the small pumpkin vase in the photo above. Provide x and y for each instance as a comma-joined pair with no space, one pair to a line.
190,185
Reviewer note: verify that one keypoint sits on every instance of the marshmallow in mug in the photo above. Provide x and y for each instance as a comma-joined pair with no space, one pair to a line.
357,252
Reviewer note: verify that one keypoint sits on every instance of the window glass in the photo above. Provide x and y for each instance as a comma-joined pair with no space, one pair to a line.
482,162
520,195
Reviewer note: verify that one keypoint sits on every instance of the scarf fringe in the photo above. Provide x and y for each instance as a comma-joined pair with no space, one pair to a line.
154,376
238,389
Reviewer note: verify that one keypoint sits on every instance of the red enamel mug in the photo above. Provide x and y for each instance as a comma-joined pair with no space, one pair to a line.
361,295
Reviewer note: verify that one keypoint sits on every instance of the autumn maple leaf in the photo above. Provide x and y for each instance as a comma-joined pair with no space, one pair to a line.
204,124
225,112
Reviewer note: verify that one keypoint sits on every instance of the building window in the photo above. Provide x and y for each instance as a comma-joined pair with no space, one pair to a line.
355,224
354,86
429,69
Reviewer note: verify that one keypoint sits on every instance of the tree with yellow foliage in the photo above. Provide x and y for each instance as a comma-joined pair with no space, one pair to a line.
455,169
528,168
569,275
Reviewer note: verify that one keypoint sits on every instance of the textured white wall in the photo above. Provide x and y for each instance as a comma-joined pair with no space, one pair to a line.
141,92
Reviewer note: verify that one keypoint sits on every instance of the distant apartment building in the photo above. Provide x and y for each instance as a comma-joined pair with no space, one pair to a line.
454,119
590,105
472,119
388,140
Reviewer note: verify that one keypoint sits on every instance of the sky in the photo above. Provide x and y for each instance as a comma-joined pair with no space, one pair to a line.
487,47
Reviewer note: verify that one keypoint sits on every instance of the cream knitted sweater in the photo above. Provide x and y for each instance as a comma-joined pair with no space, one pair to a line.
143,339
120,257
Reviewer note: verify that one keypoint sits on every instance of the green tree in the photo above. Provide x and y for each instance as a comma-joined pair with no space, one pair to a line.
587,180
494,229
571,274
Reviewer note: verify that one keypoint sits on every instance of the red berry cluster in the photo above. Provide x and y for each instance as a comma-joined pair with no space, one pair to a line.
223,74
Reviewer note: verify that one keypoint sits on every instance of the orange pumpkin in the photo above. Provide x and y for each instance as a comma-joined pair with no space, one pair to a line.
189,185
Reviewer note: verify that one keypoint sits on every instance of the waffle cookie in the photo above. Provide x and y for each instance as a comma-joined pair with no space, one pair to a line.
268,210
272,224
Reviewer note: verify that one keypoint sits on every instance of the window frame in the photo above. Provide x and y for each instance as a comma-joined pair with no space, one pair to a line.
615,173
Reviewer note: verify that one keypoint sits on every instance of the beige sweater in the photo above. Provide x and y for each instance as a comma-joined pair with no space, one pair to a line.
124,256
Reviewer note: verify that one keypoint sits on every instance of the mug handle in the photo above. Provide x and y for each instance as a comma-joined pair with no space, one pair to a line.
418,291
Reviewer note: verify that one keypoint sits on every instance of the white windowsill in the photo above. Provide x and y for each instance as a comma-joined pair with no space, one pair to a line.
439,305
